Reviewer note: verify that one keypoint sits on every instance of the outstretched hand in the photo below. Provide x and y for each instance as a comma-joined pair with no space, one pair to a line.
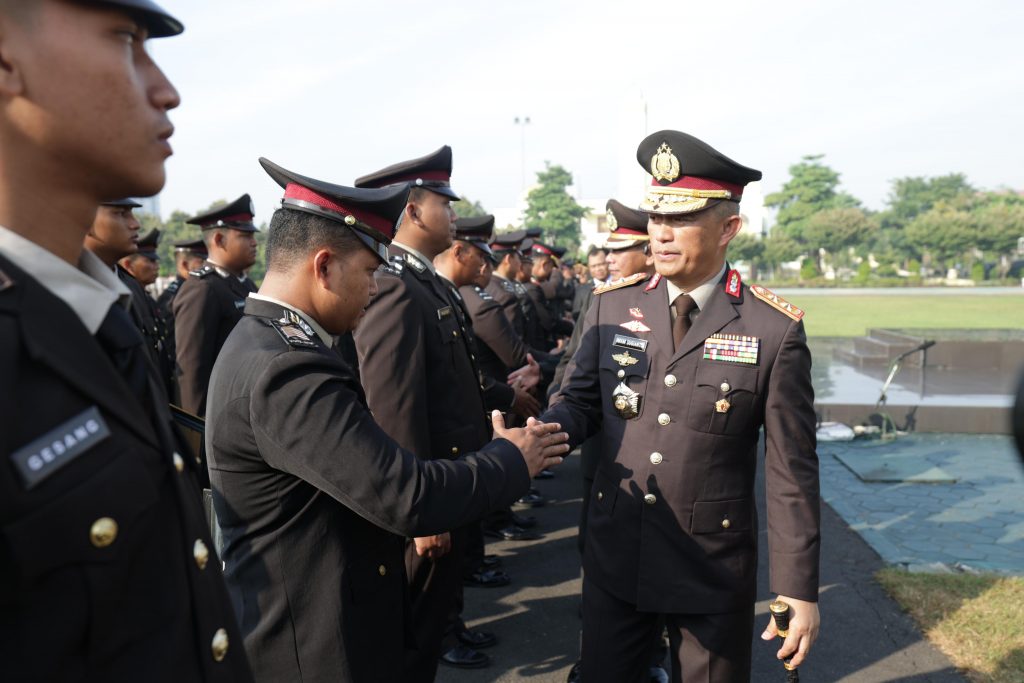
542,444
526,377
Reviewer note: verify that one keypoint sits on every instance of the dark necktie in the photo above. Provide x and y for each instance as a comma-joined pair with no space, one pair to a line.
683,304
123,343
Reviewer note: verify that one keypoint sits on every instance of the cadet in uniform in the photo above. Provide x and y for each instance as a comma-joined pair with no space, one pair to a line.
189,255
144,264
113,237
314,499
209,303
107,570
680,401
421,384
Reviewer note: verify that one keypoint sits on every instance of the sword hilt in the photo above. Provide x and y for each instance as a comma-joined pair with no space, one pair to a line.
780,612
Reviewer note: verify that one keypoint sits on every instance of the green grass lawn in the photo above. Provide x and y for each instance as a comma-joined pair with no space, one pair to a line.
978,621
852,316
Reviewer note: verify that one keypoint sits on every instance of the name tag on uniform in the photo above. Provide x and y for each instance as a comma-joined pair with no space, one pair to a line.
50,452
445,312
626,342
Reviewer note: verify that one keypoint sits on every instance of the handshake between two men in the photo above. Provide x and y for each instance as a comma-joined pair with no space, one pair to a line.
542,444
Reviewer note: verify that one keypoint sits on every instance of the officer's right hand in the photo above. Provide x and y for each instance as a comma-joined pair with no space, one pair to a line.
542,444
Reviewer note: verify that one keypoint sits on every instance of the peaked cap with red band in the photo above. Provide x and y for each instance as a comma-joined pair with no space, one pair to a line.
371,214
541,249
432,172
238,215
626,227
687,173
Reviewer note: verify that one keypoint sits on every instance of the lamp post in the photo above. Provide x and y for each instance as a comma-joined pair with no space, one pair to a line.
522,122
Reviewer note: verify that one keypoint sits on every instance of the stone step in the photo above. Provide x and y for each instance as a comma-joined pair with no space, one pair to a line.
894,337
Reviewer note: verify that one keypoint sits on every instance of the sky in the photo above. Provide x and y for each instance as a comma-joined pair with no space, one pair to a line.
335,89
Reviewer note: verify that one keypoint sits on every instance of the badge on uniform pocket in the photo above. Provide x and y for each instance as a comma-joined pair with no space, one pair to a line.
626,401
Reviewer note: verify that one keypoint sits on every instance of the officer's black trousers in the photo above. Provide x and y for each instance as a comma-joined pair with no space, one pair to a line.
704,648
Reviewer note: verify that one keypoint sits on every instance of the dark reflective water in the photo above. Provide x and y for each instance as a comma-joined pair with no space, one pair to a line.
836,382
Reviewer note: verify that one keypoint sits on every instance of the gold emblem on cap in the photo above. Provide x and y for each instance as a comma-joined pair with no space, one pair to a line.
350,220
664,164
613,224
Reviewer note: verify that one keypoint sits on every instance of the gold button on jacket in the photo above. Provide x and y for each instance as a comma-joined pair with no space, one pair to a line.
219,646
201,553
664,419
103,532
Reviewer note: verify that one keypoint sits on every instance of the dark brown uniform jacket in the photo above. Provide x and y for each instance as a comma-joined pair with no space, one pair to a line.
151,324
206,309
416,366
140,608
499,349
315,500
672,524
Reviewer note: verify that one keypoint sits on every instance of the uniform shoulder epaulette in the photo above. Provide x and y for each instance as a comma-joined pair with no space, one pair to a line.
394,266
508,286
620,283
483,293
776,302
173,287
292,334
205,271
415,263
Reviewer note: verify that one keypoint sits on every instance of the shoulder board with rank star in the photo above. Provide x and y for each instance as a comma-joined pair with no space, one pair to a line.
776,302
483,294
205,271
653,283
293,335
621,282
416,264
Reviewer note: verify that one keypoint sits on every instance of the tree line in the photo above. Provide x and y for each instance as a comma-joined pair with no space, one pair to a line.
929,225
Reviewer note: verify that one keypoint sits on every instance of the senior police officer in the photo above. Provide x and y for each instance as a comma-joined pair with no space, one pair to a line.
680,372
107,570
313,497
209,303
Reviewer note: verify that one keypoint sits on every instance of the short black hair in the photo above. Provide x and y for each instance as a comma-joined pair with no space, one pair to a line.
294,235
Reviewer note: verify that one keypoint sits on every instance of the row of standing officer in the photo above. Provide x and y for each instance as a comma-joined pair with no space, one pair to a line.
101,522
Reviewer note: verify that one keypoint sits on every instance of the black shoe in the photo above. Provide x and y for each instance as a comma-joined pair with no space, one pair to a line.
465,657
491,562
657,675
487,578
512,533
545,474
524,522
533,500
477,639
574,673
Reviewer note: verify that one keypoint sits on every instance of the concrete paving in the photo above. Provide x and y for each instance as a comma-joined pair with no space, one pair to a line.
865,637
977,522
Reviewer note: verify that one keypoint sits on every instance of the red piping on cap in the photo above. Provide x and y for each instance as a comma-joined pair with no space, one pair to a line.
302,193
